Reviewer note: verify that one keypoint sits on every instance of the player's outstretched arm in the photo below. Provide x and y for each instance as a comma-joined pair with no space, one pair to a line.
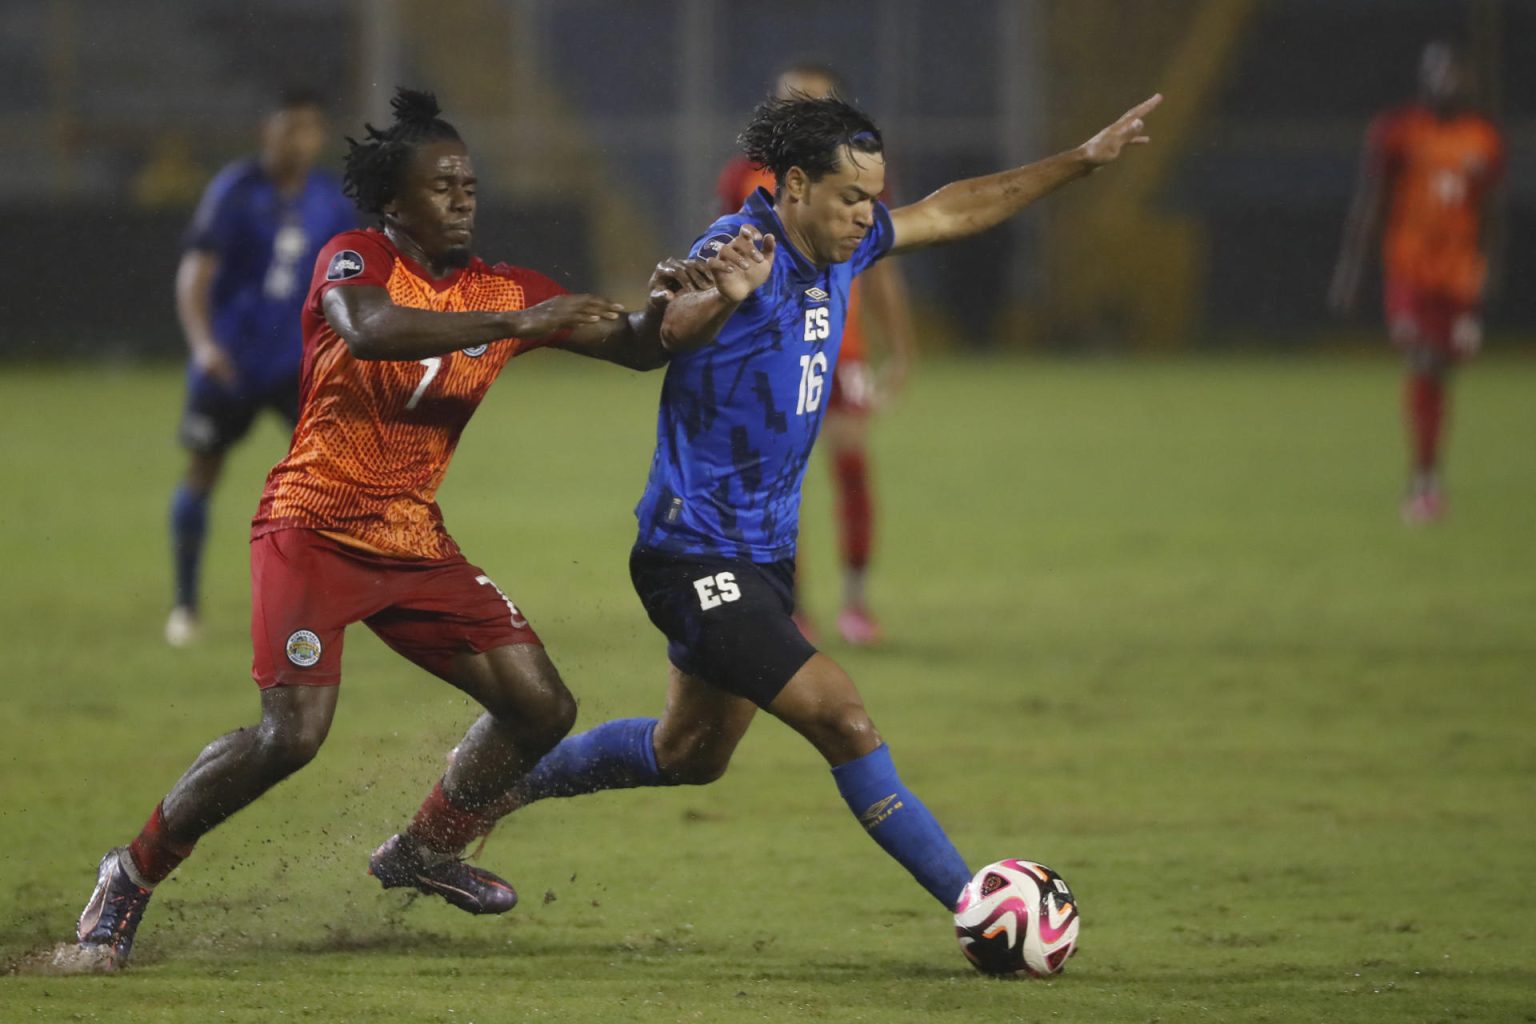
972,205
375,328
634,340
693,319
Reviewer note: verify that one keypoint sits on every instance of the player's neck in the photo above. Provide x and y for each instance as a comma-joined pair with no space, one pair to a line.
794,236
412,250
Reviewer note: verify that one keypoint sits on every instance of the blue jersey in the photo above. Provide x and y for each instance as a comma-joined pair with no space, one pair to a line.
739,416
266,244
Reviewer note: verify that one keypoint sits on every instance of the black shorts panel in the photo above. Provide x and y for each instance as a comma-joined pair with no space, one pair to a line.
216,416
727,621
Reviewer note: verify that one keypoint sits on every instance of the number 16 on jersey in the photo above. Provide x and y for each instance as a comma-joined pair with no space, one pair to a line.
813,372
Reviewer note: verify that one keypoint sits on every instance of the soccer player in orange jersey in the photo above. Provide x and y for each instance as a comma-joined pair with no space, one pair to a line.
404,332
881,292
1432,174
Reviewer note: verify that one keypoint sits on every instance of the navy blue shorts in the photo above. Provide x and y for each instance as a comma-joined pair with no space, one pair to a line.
216,416
727,621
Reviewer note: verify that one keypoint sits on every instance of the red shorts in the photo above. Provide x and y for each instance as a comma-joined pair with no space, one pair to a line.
1419,317
853,387
307,588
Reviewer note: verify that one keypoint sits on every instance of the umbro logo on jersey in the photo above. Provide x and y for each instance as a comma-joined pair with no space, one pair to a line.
345,264
816,295
475,351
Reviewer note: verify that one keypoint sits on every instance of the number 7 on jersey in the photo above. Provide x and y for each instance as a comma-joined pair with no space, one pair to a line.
433,365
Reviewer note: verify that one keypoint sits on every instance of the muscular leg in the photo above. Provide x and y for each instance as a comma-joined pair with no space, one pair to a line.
528,711
691,744
822,704
233,771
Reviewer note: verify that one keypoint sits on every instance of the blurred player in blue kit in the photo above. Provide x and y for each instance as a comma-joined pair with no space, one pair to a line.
240,289
752,360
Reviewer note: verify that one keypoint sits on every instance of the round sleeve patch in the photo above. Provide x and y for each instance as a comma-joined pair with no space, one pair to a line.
346,263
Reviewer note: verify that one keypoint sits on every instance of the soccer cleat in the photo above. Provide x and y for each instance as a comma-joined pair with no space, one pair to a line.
401,862
1423,508
182,628
858,628
111,917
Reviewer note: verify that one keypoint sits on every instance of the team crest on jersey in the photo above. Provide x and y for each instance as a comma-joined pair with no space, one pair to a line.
303,648
345,264
816,295
712,245
475,351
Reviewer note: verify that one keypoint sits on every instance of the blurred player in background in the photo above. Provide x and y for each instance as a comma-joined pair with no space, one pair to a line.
239,291
752,359
404,333
1430,184
880,293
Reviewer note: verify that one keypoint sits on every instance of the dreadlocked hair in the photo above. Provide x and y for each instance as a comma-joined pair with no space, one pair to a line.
806,133
376,165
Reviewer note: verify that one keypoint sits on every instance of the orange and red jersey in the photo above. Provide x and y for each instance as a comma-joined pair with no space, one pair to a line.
1438,172
374,438
739,179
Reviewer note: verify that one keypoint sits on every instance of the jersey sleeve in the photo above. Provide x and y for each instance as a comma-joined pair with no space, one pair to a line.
536,288
352,257
213,228
875,244
720,233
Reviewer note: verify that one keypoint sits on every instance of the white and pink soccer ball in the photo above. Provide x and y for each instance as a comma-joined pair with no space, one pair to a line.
1017,918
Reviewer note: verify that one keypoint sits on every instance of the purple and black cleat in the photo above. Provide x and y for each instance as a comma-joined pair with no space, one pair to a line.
402,862
111,917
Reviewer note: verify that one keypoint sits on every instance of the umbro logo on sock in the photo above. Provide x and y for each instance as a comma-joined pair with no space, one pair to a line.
879,811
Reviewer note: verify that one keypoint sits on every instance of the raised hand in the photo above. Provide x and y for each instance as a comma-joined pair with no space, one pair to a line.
741,266
1129,130
563,313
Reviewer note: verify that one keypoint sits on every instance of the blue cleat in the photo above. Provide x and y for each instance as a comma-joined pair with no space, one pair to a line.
402,862
111,917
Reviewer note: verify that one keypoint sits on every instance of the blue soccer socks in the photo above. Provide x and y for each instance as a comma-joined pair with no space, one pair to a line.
615,755
189,524
904,828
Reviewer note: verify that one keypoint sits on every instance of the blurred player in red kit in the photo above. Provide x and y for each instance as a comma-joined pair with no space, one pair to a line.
1430,183
880,292
404,333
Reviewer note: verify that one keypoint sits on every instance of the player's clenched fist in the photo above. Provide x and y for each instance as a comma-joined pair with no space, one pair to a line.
742,264
563,313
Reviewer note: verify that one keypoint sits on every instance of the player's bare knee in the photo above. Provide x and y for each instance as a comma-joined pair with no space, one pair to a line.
843,732
692,760
698,768
287,747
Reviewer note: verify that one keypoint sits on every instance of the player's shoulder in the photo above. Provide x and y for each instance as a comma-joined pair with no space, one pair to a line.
236,176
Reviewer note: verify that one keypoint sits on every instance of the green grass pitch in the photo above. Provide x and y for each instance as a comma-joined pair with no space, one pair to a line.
1154,624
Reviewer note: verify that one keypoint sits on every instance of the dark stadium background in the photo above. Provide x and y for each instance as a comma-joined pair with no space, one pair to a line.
599,126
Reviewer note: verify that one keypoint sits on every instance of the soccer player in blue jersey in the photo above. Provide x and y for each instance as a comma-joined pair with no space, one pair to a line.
240,287
744,395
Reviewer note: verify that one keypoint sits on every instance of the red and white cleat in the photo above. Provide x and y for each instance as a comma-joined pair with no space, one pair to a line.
858,628
1423,508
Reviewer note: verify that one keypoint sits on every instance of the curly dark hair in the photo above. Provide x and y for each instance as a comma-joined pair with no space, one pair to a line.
807,133
376,165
